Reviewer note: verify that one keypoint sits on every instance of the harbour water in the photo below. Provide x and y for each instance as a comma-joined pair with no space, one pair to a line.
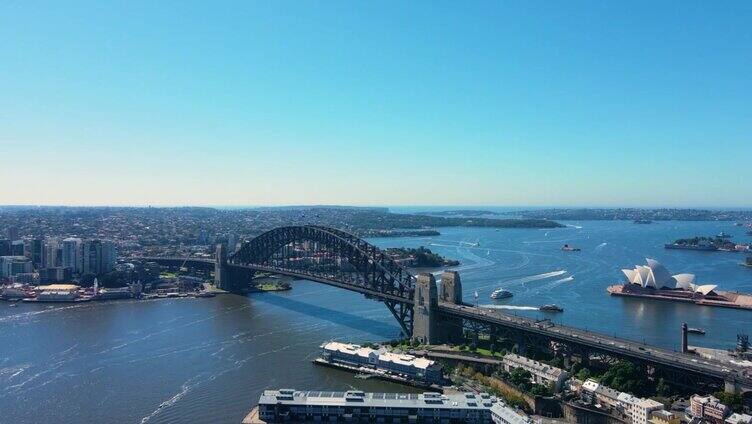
206,360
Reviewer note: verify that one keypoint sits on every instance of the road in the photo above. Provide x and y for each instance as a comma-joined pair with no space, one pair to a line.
604,343
599,342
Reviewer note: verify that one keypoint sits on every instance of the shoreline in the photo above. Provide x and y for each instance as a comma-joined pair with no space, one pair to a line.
198,295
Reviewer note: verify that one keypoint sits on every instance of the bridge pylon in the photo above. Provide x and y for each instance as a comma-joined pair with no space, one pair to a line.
450,328
451,287
220,267
425,310
226,277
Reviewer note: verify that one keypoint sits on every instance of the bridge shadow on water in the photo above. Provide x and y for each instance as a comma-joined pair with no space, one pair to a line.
344,319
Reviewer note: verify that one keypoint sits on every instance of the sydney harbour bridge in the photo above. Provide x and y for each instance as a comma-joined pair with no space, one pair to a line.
435,313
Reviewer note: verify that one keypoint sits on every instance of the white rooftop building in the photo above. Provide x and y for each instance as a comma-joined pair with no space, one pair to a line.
636,410
502,414
642,409
293,406
738,419
356,355
542,373
655,275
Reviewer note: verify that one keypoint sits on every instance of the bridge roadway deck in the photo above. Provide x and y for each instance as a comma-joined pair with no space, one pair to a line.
175,259
329,279
603,343
571,335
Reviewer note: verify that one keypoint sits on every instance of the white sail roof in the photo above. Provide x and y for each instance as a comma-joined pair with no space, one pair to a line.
705,289
684,281
630,274
655,275
659,275
642,275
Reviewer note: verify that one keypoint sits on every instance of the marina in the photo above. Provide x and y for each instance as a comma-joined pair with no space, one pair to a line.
73,293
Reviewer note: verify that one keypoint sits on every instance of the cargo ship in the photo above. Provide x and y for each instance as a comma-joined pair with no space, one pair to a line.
702,246
653,281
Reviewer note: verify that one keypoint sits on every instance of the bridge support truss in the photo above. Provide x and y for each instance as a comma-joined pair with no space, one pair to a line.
333,256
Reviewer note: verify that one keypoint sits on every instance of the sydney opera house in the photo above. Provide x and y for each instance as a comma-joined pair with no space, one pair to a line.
656,276
654,281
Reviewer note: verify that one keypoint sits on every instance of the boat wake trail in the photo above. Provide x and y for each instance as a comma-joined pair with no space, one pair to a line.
536,277
562,241
551,285
166,404
564,280
600,246
31,314
511,307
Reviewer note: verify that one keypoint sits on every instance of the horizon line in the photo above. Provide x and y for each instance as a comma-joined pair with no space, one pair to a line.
345,205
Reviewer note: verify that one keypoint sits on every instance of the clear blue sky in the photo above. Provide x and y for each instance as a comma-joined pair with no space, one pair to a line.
470,103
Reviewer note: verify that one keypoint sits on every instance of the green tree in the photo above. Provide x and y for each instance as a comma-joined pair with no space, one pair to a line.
626,377
539,390
662,389
519,376
583,374
732,400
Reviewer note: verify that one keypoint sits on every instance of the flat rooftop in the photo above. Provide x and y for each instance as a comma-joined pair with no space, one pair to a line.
392,400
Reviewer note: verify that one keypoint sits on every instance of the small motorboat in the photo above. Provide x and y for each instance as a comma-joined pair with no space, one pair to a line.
568,248
695,330
551,308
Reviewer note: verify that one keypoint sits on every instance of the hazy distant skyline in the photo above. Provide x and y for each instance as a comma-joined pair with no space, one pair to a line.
579,103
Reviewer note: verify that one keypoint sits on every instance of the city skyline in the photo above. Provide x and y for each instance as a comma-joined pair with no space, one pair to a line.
515,104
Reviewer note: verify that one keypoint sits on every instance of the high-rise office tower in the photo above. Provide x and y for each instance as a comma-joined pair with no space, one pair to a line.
5,247
98,256
72,254
36,247
13,233
50,257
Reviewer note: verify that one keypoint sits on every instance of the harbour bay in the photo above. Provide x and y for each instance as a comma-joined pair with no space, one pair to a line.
207,359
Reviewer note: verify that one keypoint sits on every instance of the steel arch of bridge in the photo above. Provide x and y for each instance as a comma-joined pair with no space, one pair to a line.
376,275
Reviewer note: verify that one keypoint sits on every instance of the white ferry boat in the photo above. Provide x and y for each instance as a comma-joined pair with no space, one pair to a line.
501,294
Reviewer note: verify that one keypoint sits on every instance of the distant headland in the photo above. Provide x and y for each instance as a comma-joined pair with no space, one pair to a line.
606,214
